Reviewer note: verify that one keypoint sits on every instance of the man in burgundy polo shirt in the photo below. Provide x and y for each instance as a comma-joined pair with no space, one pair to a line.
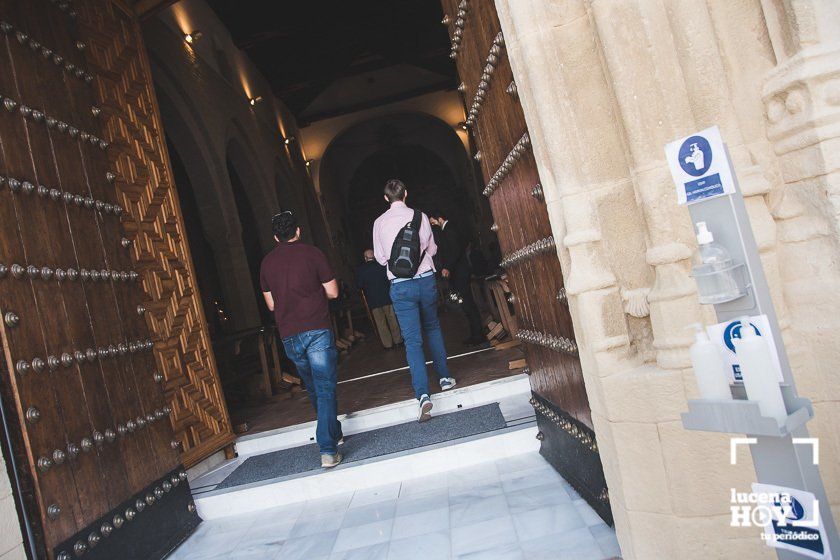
297,281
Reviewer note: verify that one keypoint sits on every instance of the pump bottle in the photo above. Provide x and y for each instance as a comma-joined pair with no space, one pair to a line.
711,373
713,269
759,373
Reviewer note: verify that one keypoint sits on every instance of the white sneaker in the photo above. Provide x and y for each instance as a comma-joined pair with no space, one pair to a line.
447,383
425,409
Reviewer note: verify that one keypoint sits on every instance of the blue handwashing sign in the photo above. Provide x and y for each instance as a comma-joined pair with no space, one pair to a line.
700,166
695,156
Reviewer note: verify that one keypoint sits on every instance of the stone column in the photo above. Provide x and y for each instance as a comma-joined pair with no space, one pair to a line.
668,78
585,176
802,100
603,89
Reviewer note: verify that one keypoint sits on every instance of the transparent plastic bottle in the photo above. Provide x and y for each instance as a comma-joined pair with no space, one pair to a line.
709,369
713,269
760,381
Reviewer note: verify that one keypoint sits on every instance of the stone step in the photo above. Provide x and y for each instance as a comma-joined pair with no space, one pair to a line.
499,390
398,467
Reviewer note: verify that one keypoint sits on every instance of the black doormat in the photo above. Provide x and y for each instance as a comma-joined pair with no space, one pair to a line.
381,441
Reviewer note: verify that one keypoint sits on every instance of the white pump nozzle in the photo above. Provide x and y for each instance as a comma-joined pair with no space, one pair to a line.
704,236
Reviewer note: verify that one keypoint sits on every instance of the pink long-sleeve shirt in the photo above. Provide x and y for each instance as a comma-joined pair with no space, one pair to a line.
388,225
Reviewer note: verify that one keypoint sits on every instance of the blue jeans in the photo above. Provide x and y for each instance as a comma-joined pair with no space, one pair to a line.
315,357
415,305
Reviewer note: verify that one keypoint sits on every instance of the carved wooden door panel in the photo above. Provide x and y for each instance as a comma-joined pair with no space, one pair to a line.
108,382
498,126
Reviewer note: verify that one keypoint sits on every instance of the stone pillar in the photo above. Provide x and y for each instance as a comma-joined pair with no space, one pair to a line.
802,100
603,87
668,78
583,169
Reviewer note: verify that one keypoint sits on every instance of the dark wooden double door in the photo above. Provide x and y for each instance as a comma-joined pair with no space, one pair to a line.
503,149
108,382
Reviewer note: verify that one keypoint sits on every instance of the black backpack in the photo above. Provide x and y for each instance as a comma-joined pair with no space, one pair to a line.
405,252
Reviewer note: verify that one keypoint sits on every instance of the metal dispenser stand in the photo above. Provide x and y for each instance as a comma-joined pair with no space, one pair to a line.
777,459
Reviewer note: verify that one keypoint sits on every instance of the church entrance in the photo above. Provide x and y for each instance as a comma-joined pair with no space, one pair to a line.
145,147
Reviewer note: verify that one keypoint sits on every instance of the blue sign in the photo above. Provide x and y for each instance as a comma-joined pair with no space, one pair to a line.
700,166
785,528
695,156
703,188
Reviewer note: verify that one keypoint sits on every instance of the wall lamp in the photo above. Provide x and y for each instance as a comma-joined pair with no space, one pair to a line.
192,37
288,140
254,100
308,163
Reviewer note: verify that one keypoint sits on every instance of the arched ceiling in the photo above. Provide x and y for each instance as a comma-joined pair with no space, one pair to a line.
329,57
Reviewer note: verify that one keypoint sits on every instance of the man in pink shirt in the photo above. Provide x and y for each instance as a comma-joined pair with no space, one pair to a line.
414,299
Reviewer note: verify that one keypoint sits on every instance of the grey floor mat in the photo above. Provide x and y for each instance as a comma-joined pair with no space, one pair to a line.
381,441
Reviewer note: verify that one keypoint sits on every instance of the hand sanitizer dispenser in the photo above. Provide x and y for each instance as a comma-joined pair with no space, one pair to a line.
729,275
719,278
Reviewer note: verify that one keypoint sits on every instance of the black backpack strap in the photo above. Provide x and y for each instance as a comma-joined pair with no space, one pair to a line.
416,219
415,224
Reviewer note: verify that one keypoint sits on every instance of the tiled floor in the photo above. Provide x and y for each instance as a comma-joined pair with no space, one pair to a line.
517,508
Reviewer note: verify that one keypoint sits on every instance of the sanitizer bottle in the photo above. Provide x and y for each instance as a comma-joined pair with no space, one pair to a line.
714,270
759,373
708,366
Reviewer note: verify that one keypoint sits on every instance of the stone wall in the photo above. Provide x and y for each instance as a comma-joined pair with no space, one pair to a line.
605,85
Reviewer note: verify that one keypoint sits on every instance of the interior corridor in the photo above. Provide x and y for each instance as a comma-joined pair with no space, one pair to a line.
370,376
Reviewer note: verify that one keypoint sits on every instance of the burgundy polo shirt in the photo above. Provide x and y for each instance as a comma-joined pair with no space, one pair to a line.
294,274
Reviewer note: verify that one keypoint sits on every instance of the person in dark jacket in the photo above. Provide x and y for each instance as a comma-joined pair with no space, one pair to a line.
372,279
455,266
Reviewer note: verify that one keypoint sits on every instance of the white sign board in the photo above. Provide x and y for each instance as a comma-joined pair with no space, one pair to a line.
723,333
699,166
792,521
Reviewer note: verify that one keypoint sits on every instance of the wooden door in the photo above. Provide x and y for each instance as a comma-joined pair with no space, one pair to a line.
498,127
108,382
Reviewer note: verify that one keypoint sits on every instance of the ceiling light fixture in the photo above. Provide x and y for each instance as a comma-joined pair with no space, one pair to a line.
192,37
254,100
